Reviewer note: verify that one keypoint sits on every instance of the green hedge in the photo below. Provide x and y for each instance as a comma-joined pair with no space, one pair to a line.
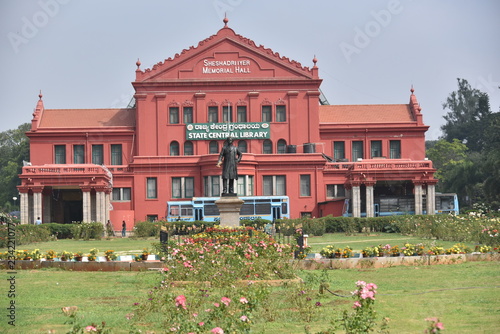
87,231
25,234
60,231
146,229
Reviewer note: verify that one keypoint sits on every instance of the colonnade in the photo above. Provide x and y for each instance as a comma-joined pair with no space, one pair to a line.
95,208
418,193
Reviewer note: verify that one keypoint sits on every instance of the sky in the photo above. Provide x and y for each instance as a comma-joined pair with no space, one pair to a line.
82,54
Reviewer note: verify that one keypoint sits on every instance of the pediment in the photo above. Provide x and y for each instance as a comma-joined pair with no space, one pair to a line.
225,56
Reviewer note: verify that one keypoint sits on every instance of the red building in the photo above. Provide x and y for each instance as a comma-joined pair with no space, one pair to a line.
125,164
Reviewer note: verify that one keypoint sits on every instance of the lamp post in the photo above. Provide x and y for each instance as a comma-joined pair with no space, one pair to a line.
15,199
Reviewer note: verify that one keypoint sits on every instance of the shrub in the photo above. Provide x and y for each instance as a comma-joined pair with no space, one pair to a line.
87,231
27,234
60,231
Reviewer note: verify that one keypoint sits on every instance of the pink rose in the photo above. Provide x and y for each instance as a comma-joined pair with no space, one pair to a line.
90,329
243,300
225,301
217,330
180,301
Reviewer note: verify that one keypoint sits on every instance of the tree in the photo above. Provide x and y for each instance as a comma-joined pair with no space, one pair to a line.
444,156
14,148
468,116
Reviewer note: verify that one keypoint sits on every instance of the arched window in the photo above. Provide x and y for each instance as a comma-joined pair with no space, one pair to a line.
281,146
174,148
188,148
267,147
213,147
242,146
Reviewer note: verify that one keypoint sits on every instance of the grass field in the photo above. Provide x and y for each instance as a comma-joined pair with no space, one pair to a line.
464,296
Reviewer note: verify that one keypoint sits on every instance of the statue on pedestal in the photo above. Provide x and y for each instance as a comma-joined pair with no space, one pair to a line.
229,157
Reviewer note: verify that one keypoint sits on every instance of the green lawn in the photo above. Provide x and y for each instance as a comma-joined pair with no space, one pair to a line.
464,296
122,246
361,240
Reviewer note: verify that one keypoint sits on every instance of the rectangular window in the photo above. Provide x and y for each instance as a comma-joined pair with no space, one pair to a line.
338,150
305,185
267,113
357,150
60,154
176,187
241,114
227,113
376,148
78,154
116,154
212,185
267,186
280,185
182,187
97,155
152,218
188,187
335,190
188,115
213,114
280,113
395,149
245,185
173,113
151,188
121,194
274,185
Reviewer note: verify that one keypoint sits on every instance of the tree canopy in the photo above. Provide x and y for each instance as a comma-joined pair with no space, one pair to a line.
467,157
14,148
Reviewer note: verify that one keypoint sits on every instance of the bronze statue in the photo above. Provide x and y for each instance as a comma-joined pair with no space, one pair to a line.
229,156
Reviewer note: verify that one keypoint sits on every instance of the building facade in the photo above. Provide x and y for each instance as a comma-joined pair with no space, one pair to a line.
125,164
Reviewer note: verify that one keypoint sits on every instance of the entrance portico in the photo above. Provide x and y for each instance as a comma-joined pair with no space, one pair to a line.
65,194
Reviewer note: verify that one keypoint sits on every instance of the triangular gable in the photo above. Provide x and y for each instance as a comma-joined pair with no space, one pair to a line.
226,56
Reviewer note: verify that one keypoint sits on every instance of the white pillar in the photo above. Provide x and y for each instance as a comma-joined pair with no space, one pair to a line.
356,201
369,201
99,203
87,207
37,205
24,206
431,199
107,204
418,198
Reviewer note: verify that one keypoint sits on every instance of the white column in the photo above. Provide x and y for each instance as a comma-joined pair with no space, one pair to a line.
99,203
87,208
37,205
431,199
107,204
356,201
418,198
24,206
369,201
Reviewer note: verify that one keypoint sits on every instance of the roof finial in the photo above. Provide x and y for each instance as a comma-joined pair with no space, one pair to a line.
226,20
138,63
315,60
412,90
40,95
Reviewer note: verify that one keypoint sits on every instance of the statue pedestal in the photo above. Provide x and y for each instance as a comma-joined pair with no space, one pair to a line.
229,208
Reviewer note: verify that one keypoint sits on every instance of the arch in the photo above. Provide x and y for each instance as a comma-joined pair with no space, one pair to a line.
281,146
174,148
267,147
188,148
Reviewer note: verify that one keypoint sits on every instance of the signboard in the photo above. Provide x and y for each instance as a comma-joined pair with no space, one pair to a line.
220,131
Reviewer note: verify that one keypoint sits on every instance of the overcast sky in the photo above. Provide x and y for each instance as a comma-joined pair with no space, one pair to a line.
82,54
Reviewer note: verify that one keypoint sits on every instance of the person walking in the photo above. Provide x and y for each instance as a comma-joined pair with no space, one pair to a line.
124,229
